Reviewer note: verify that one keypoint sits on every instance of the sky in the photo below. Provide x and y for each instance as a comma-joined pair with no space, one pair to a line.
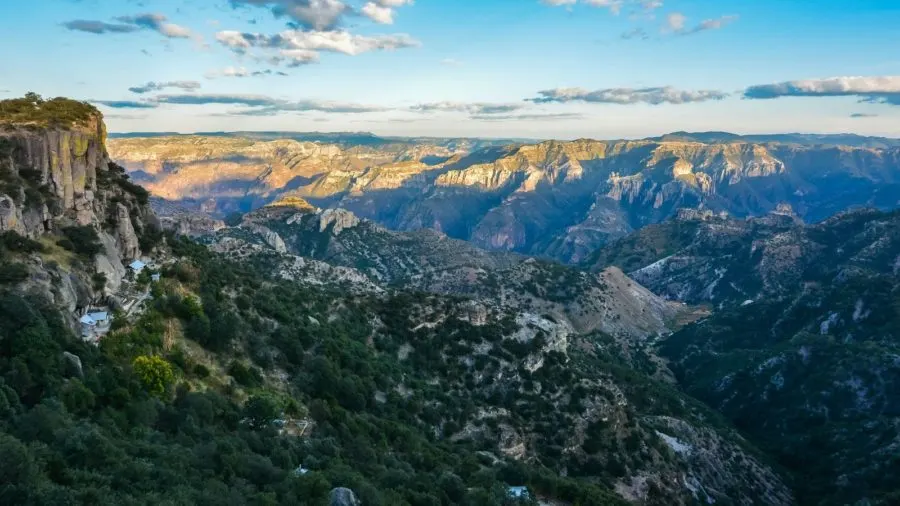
489,68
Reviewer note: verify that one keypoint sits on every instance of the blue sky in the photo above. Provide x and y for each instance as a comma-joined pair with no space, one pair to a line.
500,68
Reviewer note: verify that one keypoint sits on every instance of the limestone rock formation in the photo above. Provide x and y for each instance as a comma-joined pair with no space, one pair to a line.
337,219
269,237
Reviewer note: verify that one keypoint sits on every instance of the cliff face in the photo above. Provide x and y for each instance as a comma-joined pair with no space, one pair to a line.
57,176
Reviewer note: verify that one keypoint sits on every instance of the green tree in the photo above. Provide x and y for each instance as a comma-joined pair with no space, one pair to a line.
155,373
261,411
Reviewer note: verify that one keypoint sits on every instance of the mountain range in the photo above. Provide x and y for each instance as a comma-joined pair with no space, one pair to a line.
560,200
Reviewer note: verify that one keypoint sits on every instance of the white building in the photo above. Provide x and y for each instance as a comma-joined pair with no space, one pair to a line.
137,266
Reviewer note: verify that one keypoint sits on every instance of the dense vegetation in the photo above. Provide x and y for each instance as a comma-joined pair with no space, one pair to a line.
147,419
34,110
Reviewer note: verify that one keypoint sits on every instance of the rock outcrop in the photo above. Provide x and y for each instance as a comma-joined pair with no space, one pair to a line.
342,497
337,219
74,363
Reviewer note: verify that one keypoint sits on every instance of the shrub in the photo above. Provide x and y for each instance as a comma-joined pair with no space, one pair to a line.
99,280
81,240
11,241
244,375
234,219
150,237
12,273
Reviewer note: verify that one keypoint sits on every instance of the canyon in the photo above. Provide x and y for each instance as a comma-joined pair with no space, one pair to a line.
561,200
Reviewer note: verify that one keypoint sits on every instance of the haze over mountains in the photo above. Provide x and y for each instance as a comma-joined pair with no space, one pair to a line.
561,200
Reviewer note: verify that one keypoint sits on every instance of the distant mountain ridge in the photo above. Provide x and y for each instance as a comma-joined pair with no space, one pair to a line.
854,140
345,139
369,138
561,200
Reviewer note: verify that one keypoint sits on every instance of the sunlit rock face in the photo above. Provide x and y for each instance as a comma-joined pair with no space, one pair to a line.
557,199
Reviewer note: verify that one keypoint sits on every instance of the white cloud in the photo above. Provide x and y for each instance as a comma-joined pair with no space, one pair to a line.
241,72
614,6
157,86
262,105
158,23
378,14
309,14
654,96
473,108
676,23
302,47
326,15
881,89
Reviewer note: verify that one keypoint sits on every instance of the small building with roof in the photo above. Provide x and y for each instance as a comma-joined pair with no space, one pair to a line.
88,326
137,266
99,317
518,493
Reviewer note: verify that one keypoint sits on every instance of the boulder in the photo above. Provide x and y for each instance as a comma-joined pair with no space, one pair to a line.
10,216
342,497
73,362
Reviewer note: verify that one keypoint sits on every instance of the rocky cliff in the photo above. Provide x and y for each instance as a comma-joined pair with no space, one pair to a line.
58,186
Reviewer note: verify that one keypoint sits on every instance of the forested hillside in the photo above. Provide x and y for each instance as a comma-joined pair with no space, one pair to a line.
185,405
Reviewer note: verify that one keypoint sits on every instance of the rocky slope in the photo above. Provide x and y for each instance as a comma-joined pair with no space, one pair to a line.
426,260
560,199
56,181
803,351
530,348
703,258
